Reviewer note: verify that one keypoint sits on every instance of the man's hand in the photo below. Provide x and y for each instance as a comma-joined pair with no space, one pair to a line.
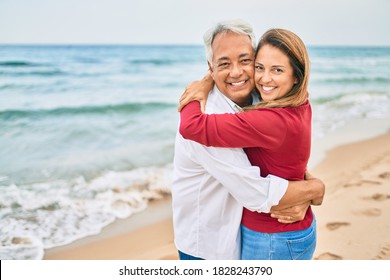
292,214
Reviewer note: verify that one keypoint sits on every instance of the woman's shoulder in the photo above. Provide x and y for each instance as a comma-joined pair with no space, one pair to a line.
284,114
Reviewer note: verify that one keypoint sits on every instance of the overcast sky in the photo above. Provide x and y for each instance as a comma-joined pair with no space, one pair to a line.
317,22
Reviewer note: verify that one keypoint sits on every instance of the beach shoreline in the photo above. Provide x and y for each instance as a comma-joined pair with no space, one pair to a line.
353,223
145,235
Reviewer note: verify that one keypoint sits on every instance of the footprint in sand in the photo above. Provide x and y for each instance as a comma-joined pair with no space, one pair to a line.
385,175
328,256
371,212
361,182
378,197
384,253
336,225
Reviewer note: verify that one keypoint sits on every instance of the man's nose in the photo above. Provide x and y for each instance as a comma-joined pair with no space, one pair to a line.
236,71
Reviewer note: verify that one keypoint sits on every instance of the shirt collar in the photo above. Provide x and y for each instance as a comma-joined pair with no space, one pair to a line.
236,108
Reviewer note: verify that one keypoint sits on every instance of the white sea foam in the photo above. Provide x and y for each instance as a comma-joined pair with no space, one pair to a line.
335,113
41,216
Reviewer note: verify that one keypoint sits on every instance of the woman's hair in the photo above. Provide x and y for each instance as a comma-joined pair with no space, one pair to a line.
292,46
236,26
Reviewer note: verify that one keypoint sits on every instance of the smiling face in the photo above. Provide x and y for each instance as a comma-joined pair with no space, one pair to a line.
232,67
274,75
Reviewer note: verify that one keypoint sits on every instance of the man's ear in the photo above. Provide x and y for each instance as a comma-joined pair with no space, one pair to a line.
210,68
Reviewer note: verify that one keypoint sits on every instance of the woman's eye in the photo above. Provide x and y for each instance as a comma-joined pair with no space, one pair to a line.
258,67
278,70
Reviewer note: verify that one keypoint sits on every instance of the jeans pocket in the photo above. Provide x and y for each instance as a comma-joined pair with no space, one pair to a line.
303,248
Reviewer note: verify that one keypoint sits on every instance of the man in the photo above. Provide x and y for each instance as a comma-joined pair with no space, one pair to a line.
212,185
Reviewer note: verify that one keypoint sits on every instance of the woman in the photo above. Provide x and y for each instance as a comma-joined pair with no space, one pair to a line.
276,135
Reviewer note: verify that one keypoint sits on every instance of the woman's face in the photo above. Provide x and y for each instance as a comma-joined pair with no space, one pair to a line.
274,75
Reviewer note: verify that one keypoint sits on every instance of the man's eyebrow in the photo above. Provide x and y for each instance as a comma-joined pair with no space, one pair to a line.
244,54
223,58
227,58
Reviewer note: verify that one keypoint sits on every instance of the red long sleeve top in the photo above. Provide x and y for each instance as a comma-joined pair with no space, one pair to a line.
275,139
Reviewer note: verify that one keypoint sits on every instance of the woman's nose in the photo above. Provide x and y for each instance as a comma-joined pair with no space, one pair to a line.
265,77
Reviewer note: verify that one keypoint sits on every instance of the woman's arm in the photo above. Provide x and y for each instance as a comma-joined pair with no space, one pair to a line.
256,128
197,90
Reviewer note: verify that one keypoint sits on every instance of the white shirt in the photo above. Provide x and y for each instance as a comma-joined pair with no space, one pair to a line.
210,188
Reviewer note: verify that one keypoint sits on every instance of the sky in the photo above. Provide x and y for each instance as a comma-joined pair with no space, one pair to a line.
317,22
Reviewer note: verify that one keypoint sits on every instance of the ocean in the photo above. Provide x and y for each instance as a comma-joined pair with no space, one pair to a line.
87,132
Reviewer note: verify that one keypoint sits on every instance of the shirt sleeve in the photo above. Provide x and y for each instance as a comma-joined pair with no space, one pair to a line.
233,170
264,128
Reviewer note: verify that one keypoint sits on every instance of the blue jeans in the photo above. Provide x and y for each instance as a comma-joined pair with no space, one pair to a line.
292,245
185,257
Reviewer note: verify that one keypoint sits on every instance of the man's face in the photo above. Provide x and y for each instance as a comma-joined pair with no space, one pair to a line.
232,67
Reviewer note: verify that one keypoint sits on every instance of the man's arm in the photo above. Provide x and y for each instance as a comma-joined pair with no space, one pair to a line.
298,197
233,170
298,192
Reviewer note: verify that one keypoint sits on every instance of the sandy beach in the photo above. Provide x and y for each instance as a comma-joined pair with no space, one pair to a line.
353,222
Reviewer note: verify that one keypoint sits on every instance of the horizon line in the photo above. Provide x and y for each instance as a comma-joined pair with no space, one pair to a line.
165,44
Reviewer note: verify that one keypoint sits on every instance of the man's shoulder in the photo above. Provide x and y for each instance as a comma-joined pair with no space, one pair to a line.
217,103
212,102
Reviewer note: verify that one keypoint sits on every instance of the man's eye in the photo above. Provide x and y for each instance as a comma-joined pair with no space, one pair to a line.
223,65
246,61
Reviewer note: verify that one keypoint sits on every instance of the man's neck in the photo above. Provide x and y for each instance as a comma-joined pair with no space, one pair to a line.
243,103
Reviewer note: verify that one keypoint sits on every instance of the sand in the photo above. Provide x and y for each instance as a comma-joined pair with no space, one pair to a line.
353,223
354,220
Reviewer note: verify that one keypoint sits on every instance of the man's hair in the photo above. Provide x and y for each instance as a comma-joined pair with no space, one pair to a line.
236,26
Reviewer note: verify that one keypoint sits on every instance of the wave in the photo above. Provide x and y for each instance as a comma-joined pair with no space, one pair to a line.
27,68
73,209
19,63
44,73
153,61
351,80
355,96
126,108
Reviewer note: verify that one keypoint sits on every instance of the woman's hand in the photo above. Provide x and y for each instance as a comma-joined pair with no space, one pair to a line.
197,90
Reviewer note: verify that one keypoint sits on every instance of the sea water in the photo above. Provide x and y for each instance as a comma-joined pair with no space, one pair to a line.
87,132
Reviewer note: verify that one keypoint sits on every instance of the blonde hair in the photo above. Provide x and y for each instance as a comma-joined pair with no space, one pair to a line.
291,45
